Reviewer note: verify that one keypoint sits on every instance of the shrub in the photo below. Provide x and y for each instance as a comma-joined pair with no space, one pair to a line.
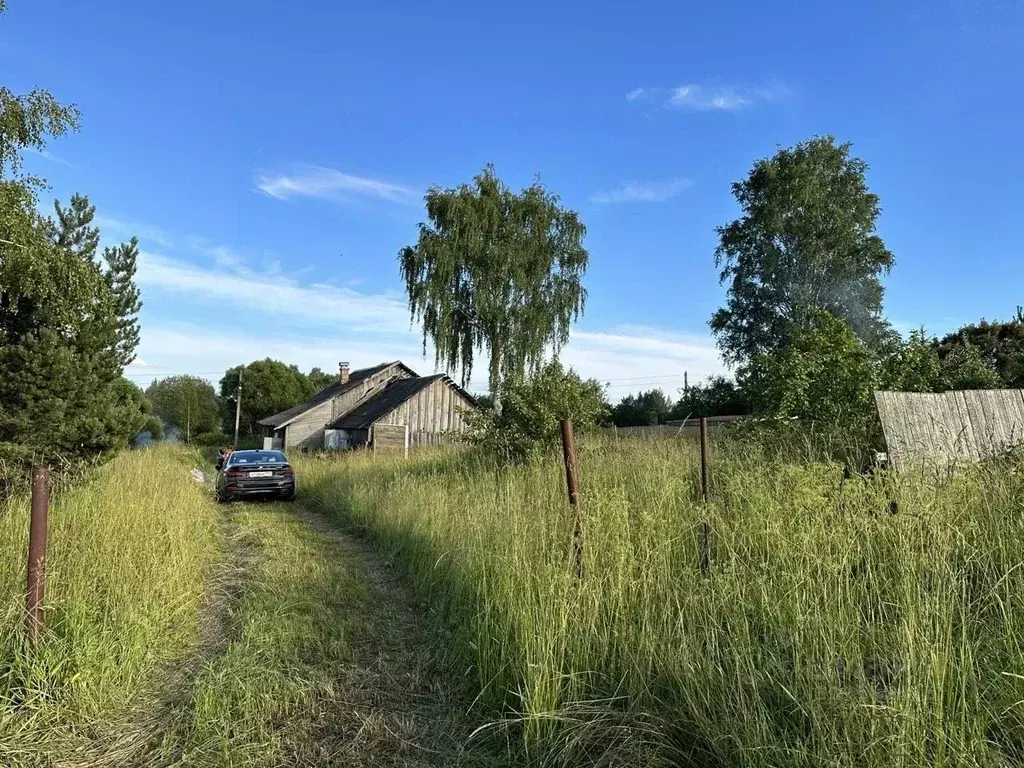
526,421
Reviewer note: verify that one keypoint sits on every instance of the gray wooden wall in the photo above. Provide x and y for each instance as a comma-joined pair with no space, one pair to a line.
389,438
951,426
307,431
439,407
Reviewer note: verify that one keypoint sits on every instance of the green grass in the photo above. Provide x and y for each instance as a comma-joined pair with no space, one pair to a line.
129,550
255,702
828,632
320,667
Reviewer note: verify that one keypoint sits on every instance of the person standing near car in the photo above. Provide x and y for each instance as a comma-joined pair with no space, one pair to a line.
222,458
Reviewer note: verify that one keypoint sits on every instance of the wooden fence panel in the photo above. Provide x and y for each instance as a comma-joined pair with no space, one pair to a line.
922,427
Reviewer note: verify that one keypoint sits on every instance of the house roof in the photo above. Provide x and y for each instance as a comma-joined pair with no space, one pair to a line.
333,390
396,393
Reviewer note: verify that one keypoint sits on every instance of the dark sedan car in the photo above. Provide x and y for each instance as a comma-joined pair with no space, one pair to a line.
256,473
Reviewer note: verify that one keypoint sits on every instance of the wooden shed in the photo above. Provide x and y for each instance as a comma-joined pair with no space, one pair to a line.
408,412
379,407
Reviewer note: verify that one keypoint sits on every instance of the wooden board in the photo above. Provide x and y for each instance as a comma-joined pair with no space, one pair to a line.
390,438
927,428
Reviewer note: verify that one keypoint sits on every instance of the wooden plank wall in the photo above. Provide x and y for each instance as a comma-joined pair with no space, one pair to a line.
307,431
950,427
345,402
389,438
436,408
421,439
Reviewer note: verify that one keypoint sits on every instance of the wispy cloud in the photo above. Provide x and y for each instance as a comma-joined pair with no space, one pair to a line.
183,347
147,234
707,98
274,295
642,192
48,155
313,323
330,184
624,360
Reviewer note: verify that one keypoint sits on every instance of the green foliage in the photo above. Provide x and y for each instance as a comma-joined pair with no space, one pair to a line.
964,367
719,396
825,632
130,413
131,554
187,404
153,426
527,425
61,396
806,242
495,271
63,401
909,366
643,409
26,122
823,375
319,380
268,387
120,276
1000,344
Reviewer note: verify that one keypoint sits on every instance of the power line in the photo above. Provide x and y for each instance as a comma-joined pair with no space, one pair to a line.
179,373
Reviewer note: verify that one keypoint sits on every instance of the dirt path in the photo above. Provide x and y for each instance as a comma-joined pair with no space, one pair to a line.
310,652
399,704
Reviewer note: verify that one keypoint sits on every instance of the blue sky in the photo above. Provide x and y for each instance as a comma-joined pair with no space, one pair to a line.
272,157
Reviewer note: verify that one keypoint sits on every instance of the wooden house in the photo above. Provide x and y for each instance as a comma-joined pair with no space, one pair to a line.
386,407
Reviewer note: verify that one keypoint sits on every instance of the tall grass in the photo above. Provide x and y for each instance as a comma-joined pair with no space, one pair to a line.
127,556
867,622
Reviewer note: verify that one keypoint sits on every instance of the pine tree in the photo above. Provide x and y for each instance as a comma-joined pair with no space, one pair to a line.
120,276
73,229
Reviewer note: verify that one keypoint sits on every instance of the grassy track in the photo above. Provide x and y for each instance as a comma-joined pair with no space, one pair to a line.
326,666
184,633
834,628
128,555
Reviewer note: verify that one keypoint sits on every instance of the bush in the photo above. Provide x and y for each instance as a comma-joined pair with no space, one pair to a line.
526,422
210,439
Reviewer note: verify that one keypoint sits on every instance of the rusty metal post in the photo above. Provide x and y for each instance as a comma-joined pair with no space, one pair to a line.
705,555
37,552
572,481
704,459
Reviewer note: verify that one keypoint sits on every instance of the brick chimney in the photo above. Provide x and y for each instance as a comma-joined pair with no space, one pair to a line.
343,373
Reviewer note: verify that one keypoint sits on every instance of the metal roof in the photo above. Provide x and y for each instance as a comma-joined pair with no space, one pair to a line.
333,390
396,393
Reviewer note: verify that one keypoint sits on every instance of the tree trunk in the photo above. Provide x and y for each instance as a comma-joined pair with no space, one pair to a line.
493,379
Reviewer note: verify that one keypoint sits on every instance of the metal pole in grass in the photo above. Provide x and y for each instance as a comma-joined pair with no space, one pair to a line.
238,404
572,481
704,532
37,552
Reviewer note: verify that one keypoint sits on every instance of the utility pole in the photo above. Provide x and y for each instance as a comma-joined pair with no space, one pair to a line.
238,405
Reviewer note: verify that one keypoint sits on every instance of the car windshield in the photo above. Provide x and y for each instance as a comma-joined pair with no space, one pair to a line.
257,457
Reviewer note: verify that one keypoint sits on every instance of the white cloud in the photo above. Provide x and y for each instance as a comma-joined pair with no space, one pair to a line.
707,98
147,234
696,97
189,348
48,155
315,324
642,192
330,184
633,359
271,294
